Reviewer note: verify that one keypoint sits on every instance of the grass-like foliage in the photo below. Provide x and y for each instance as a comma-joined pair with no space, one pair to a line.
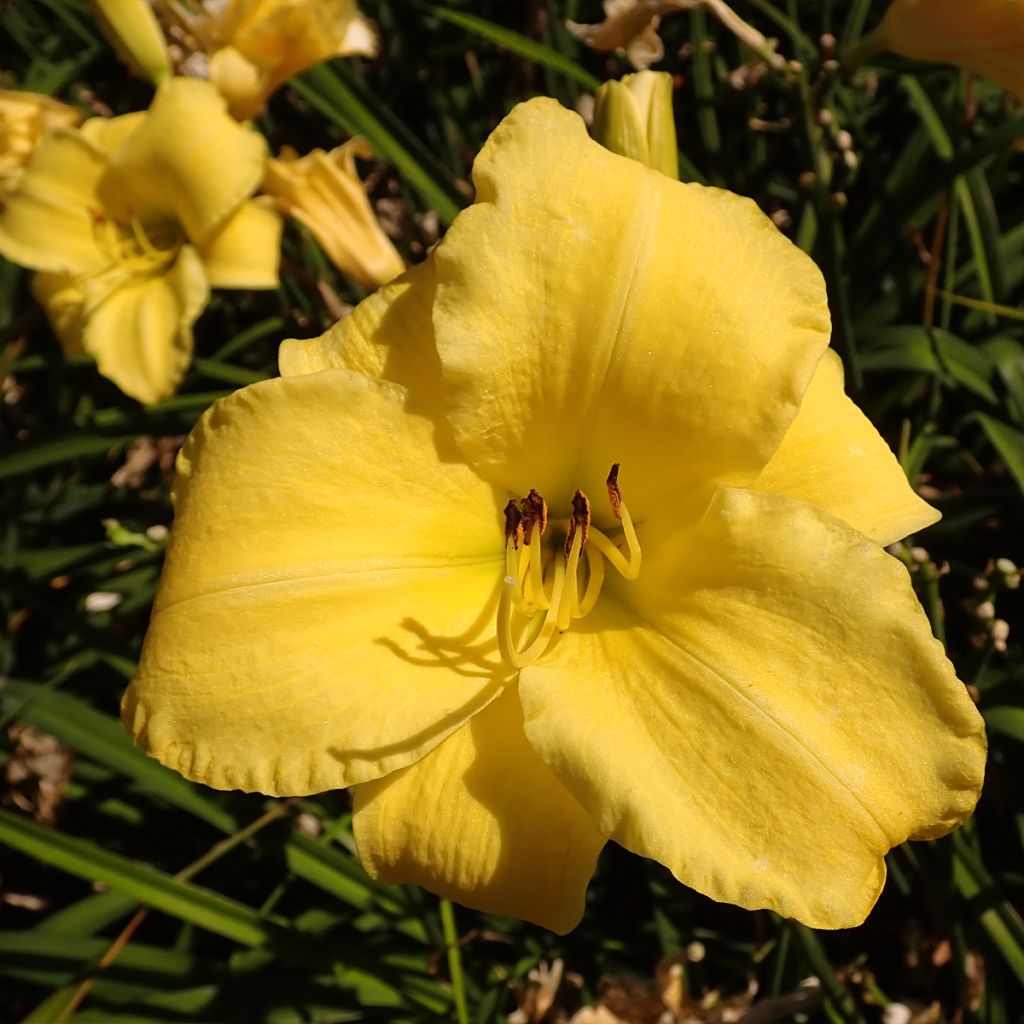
129,894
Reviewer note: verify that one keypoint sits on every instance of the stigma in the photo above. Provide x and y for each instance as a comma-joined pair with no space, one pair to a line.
555,569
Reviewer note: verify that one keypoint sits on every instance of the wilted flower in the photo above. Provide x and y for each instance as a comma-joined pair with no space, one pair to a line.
629,27
413,564
984,36
323,191
131,220
25,118
251,47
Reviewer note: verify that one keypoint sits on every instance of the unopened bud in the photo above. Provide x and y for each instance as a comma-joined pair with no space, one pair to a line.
1000,630
133,31
985,611
633,117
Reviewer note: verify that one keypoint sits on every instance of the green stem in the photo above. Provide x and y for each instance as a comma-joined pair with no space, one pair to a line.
863,50
451,943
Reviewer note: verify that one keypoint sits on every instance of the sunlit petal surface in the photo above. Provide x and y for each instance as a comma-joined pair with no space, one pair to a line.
482,820
834,458
245,253
766,712
324,615
587,312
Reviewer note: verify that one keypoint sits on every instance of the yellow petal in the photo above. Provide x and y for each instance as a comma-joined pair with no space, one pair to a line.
139,331
326,610
107,133
985,36
834,458
324,192
25,118
189,160
776,639
246,252
240,82
481,820
388,336
135,34
588,311
45,223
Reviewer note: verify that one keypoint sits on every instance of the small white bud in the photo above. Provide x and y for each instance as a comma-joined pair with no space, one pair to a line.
101,601
986,610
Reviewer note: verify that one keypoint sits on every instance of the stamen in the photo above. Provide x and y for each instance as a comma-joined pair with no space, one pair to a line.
619,510
513,523
535,513
595,579
550,595
572,598
536,647
538,595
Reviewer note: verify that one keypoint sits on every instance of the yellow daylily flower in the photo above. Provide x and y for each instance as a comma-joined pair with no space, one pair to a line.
323,191
130,221
135,34
984,36
25,118
569,533
253,46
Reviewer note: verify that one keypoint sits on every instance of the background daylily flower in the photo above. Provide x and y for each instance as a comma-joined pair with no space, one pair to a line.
25,117
984,36
253,46
323,191
131,220
405,566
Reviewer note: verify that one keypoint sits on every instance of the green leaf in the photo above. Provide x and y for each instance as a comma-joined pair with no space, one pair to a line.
183,900
1006,719
520,44
1008,441
104,739
935,351
31,455
326,90
1007,355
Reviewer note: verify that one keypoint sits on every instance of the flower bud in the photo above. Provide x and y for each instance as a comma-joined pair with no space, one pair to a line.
633,117
133,31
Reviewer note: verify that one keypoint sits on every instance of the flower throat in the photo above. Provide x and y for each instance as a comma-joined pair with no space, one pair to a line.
552,585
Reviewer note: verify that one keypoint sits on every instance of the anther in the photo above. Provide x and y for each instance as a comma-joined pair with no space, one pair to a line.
535,513
513,523
614,494
580,520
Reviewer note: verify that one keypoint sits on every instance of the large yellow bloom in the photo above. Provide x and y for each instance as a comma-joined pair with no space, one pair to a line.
131,220
254,46
25,119
731,675
984,36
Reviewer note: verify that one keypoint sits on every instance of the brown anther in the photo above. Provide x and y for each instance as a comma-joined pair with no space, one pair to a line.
97,216
614,494
535,511
580,520
513,523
